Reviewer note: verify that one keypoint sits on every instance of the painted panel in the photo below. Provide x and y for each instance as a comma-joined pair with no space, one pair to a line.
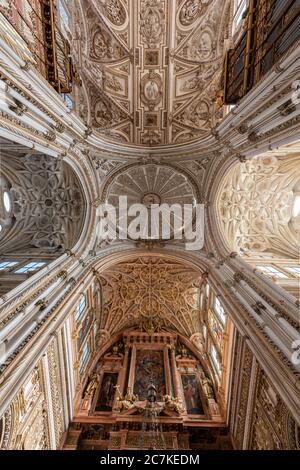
149,368
191,394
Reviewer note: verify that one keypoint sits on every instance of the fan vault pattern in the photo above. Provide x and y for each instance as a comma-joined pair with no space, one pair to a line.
150,68
152,184
147,288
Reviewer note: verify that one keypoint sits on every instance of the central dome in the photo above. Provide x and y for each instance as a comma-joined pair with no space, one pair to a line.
155,87
150,185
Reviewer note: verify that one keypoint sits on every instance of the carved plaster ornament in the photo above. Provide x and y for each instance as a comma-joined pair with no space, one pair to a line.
127,402
207,387
152,22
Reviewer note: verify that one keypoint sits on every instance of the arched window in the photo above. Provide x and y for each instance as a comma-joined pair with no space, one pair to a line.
81,307
6,206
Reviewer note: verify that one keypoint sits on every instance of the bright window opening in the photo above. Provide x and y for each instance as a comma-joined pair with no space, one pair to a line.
63,13
84,356
296,206
7,264
240,7
6,201
270,271
81,307
219,310
293,270
207,290
30,267
68,100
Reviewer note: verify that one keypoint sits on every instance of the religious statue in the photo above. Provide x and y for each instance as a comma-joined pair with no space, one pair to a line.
127,402
151,325
174,404
183,351
92,386
117,348
207,387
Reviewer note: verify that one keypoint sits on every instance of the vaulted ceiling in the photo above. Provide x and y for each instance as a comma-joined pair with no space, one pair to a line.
150,68
46,208
258,206
155,289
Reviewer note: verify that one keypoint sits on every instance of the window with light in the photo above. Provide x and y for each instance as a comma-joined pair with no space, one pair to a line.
240,7
30,267
271,271
81,307
219,310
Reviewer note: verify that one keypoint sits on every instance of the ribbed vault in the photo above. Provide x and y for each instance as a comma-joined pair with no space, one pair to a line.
151,289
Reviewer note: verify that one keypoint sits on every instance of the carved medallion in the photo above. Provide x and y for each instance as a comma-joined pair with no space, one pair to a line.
189,12
151,89
103,46
114,11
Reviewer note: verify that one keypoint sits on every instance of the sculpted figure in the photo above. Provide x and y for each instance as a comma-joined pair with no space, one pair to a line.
207,387
127,402
174,404
92,386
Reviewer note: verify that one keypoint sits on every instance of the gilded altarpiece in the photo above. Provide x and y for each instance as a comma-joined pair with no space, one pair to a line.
147,380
